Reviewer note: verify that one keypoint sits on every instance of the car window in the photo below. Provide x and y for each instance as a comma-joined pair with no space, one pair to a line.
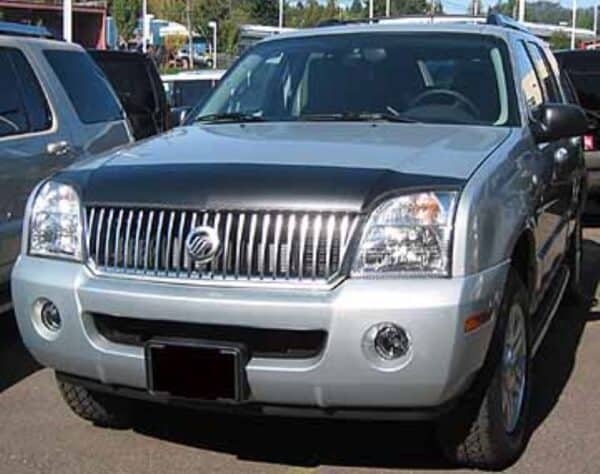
544,73
189,93
86,85
568,88
23,107
131,81
433,78
36,106
529,82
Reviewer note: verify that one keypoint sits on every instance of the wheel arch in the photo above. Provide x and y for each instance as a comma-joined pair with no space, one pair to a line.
523,259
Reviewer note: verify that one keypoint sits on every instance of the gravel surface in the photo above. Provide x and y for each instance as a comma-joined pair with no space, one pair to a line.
39,434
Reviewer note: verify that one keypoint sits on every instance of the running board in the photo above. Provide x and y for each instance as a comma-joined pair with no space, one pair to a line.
545,314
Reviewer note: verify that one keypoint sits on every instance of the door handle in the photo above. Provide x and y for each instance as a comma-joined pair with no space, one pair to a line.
561,156
58,148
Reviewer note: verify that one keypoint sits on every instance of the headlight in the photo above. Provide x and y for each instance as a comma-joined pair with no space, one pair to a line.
55,228
408,235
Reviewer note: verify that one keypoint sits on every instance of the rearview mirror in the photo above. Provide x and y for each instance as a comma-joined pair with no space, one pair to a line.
555,121
178,115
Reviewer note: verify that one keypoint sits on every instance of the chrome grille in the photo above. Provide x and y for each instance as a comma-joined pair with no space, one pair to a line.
293,247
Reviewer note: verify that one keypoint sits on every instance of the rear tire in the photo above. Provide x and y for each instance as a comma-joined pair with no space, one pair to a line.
102,410
480,433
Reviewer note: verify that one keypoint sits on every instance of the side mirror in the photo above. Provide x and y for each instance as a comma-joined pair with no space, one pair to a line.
178,115
556,121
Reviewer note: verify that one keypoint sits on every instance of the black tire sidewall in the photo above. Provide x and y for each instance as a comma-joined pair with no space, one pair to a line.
509,446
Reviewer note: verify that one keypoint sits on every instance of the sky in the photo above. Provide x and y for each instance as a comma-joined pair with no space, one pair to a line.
460,6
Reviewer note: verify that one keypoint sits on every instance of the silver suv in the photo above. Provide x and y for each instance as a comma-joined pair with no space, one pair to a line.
55,107
365,221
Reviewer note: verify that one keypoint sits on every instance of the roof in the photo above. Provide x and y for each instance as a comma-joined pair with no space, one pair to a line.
19,29
199,75
391,26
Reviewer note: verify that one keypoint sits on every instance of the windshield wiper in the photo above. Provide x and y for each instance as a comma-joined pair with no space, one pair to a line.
357,117
230,117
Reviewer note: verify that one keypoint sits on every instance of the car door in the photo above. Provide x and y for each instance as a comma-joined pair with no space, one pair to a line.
33,145
559,162
89,98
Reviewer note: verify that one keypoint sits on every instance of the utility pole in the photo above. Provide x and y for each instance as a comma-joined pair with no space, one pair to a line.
388,8
371,9
573,24
213,26
145,26
68,20
595,19
521,11
188,13
281,6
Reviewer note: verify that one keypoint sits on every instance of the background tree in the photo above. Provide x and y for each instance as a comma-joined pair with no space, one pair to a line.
126,14
358,9
560,40
265,12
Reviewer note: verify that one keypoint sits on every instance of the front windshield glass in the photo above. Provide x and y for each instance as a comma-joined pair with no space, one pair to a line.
431,78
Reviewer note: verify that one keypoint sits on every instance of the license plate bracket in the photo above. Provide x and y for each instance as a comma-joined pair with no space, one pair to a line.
196,370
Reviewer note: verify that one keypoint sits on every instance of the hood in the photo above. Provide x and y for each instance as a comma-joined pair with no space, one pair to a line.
338,166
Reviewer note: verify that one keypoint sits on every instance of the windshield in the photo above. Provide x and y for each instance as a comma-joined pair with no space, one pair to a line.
431,78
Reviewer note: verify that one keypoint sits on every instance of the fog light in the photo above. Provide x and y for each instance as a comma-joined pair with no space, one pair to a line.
387,346
51,316
391,342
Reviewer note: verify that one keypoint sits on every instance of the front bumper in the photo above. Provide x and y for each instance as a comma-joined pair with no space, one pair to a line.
439,367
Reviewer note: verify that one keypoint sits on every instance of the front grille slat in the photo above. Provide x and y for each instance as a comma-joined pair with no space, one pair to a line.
306,248
90,226
263,245
158,241
179,247
226,249
276,245
303,232
290,243
238,244
116,254
253,224
168,257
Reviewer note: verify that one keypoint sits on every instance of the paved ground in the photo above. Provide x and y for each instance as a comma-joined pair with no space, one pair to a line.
39,434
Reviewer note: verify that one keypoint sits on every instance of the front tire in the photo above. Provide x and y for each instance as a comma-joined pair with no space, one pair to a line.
102,410
489,429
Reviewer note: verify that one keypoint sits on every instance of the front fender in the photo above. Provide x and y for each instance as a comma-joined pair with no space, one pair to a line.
496,206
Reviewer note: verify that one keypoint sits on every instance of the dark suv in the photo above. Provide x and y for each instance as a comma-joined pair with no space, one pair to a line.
583,69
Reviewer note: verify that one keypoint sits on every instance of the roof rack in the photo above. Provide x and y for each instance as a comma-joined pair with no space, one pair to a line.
18,29
506,22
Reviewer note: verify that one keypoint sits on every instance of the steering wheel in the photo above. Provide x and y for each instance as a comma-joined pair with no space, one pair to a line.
459,99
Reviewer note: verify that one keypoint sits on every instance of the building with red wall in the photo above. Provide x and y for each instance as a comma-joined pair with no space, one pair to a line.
89,18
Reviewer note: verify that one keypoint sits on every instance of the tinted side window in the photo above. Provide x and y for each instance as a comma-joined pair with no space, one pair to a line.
87,87
23,107
189,93
38,111
529,82
544,72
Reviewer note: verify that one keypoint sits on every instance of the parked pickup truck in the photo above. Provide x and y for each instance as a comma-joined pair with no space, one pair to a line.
55,107
365,221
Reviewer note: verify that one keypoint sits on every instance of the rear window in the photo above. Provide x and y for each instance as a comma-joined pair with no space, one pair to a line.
587,85
131,81
188,93
583,68
86,85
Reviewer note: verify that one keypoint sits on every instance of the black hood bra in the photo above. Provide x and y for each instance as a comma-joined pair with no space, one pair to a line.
246,186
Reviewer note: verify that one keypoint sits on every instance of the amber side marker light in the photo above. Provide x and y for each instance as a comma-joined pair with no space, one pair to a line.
477,320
